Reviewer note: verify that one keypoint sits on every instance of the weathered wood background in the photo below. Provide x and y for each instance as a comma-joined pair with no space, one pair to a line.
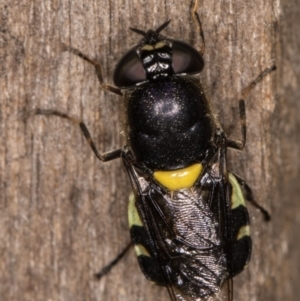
63,213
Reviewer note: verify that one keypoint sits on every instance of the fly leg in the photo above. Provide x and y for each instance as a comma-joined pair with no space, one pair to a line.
239,144
250,198
107,268
198,24
108,156
97,68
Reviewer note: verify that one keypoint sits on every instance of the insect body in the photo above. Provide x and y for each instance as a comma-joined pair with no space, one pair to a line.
187,214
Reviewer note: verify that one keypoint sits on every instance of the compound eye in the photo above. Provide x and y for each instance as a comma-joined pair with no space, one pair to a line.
186,59
129,70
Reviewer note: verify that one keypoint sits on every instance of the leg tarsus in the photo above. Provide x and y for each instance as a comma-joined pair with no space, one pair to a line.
102,157
246,91
250,198
241,144
105,270
198,24
97,68
230,289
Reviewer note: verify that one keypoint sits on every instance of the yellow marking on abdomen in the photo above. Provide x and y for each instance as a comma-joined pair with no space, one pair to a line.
141,250
237,197
133,215
244,231
180,178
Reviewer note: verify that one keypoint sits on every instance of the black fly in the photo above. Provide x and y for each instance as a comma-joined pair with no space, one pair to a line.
187,214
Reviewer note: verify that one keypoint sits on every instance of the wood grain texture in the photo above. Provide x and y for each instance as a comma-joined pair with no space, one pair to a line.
63,213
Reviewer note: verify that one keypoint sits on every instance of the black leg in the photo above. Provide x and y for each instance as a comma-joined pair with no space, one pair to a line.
240,144
97,68
105,270
263,74
250,198
102,157
230,289
198,24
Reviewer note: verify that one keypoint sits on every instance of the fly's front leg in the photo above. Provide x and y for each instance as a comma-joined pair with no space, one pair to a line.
198,24
102,157
240,144
97,66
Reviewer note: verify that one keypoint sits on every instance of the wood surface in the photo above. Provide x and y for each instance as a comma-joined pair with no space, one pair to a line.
63,213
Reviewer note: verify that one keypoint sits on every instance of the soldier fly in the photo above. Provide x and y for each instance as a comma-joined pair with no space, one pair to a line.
187,215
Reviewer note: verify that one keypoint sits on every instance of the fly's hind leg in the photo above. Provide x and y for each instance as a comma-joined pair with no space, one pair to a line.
107,268
250,198
198,24
97,66
102,157
239,144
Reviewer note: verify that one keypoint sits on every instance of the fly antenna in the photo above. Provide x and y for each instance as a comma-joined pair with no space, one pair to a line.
141,32
163,26
158,30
